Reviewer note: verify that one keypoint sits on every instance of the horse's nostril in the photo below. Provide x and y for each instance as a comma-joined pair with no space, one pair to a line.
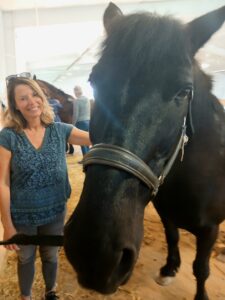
126,262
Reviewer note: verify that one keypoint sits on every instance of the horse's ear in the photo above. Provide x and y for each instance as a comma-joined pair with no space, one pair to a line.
111,14
201,29
34,77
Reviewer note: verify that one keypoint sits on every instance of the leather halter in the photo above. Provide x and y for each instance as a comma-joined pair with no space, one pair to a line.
120,158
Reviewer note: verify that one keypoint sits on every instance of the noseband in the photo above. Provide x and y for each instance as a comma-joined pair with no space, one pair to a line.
120,158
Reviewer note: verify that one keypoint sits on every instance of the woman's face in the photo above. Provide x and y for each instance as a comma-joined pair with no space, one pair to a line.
28,102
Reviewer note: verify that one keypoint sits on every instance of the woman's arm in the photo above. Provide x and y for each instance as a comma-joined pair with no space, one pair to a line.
9,229
79,137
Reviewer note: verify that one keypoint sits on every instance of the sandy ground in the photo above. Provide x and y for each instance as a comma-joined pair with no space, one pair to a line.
141,286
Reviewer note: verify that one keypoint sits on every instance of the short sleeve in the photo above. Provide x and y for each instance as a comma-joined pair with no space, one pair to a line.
5,139
64,128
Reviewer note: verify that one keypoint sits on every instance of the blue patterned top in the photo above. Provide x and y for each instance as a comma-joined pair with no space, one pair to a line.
39,184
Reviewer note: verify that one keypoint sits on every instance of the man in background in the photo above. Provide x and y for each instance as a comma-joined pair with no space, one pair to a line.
82,113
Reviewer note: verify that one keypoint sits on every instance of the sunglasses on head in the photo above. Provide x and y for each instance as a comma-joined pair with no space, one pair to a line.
23,74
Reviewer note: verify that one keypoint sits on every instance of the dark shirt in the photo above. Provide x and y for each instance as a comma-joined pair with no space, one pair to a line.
57,106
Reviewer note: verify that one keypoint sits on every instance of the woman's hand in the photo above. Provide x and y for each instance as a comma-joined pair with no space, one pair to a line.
8,233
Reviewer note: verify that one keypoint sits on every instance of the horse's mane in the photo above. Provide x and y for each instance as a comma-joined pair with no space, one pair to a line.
204,90
145,35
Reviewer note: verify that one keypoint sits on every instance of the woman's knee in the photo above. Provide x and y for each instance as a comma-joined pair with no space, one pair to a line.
49,254
26,254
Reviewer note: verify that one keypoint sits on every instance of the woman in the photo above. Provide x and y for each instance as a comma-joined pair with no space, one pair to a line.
34,185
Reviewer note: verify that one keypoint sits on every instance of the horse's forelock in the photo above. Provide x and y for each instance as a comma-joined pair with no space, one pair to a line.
139,43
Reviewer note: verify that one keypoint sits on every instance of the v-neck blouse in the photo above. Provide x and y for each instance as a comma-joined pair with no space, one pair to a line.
43,141
39,184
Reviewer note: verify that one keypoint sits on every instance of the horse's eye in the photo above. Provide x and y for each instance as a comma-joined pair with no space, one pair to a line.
185,93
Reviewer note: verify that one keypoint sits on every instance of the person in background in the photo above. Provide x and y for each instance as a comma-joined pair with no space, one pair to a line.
82,117
56,106
34,184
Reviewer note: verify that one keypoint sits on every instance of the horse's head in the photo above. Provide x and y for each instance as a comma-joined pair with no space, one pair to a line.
143,86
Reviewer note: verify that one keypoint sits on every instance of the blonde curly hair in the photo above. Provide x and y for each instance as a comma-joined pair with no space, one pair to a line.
12,117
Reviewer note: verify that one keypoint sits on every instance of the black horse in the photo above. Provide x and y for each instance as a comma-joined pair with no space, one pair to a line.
148,89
